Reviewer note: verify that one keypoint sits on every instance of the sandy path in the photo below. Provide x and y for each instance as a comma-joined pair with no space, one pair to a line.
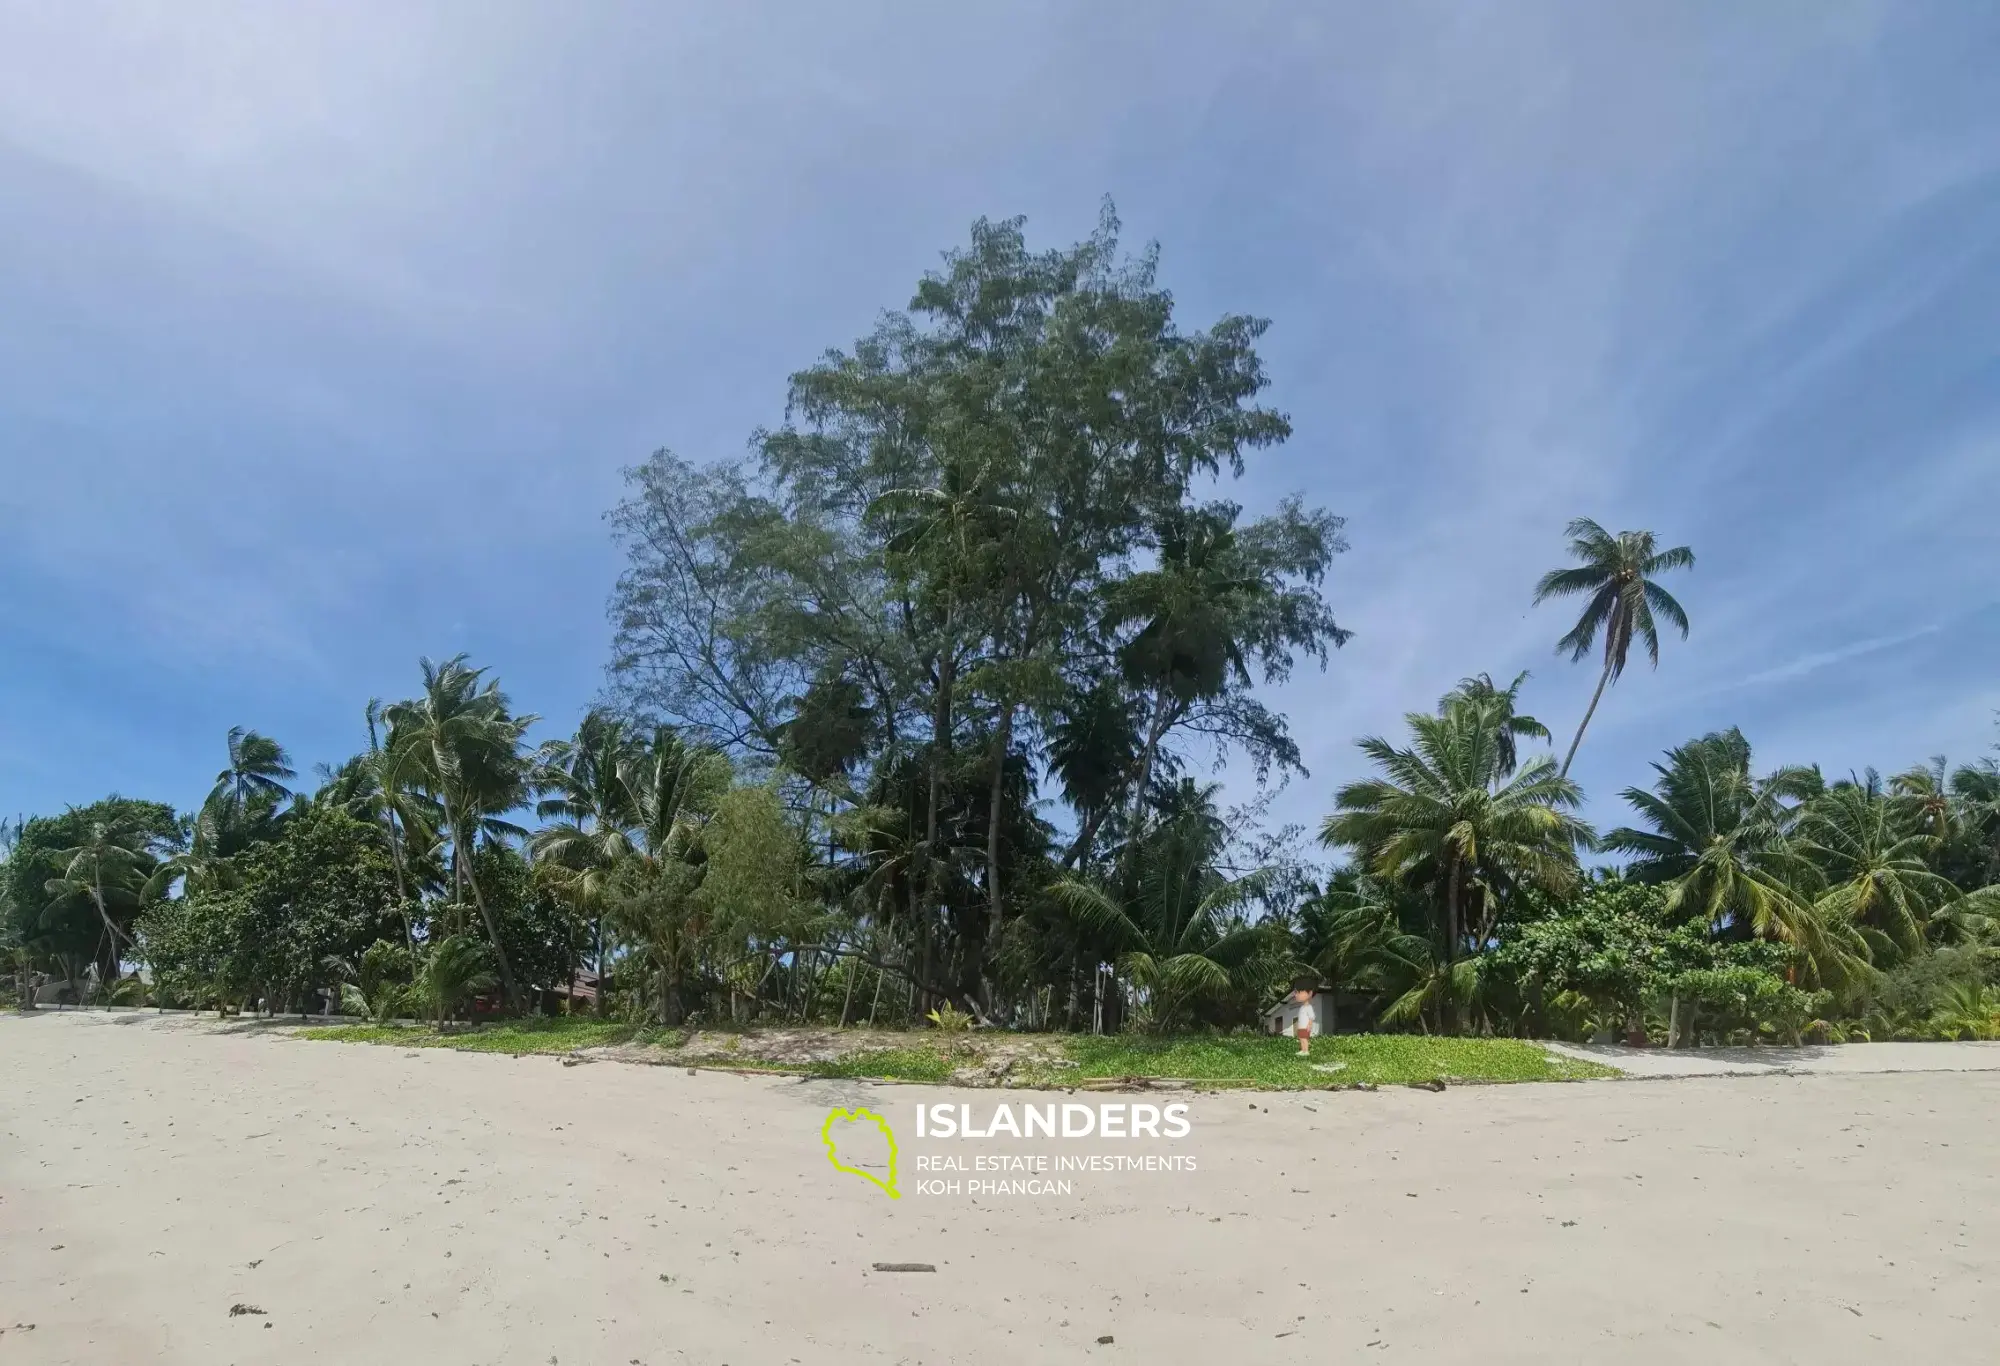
435,1207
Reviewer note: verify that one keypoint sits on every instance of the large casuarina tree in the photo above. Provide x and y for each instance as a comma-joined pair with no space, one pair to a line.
1616,576
981,551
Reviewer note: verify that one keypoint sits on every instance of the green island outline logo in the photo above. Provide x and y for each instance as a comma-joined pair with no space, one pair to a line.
856,1116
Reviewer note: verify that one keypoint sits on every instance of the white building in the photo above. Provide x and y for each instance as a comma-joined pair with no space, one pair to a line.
1283,1018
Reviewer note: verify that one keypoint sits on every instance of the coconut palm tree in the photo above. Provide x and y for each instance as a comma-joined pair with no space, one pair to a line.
1445,814
250,788
1175,923
590,813
455,969
1924,791
461,744
673,788
1372,938
1976,789
110,869
1722,845
1874,852
1481,691
1616,572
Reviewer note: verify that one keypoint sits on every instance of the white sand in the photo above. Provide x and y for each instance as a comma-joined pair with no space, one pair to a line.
384,1206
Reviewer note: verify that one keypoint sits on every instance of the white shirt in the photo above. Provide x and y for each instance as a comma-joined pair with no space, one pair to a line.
1306,1015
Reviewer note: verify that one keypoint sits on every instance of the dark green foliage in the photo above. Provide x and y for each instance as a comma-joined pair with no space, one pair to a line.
62,929
976,562
323,890
543,936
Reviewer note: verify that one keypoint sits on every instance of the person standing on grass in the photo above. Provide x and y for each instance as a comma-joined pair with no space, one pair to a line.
1306,1019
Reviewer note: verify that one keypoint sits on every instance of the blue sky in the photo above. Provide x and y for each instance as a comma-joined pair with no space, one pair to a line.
326,328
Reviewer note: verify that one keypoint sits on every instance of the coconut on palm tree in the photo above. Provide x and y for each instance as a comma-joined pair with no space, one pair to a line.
1616,573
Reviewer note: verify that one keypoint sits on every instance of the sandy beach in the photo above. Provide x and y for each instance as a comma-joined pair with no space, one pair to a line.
357,1204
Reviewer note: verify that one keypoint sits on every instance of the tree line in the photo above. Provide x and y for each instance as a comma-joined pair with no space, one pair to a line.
906,718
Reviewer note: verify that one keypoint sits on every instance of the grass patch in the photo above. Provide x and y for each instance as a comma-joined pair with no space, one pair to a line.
1232,1060
1378,1059
514,1036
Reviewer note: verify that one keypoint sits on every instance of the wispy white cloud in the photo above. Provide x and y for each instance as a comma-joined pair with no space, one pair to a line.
1819,659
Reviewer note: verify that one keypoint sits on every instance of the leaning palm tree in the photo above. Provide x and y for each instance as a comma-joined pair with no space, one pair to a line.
1444,814
461,744
110,869
1176,925
1723,845
1617,574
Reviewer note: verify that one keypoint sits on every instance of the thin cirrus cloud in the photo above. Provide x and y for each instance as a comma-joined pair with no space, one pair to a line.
328,327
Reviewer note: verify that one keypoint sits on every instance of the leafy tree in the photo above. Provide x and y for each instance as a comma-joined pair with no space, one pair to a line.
540,929
1616,573
1614,945
301,904
976,530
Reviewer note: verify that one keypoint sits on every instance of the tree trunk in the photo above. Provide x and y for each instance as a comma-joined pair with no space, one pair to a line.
492,935
853,966
1589,712
1156,726
1451,1012
671,1012
1451,929
402,884
1002,737
920,878
598,1002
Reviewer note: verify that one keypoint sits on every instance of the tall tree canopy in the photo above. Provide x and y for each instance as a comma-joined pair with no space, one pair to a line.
977,555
